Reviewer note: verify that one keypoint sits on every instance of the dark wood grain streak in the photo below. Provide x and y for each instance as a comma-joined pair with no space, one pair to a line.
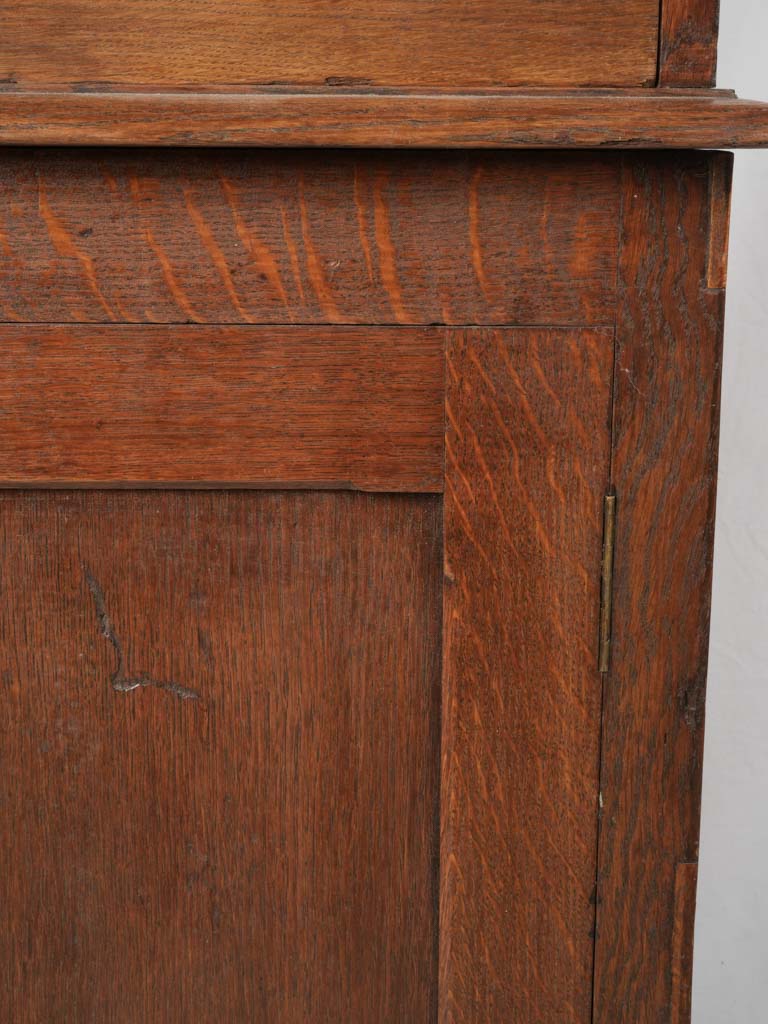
397,42
266,852
284,237
323,407
688,43
580,119
527,449
665,459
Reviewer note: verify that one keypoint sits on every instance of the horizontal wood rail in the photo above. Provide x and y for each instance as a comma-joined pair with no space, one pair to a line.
507,119
325,407
297,236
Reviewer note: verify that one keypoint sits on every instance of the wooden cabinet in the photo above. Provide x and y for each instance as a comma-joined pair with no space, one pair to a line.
357,507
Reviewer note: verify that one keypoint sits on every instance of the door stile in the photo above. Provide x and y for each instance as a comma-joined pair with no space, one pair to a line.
527,449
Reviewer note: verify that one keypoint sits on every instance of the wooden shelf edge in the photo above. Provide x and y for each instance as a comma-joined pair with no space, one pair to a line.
579,119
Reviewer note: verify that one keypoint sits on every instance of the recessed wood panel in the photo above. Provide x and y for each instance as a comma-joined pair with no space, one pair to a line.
220,732
527,464
323,407
297,237
330,42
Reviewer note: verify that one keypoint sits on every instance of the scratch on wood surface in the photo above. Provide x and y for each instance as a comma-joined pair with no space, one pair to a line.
119,680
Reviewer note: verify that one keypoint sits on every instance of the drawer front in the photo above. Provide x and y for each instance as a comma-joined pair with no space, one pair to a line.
325,43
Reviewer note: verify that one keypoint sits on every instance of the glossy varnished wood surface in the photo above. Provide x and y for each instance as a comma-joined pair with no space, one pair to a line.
299,406
579,119
688,42
262,846
276,237
664,466
398,42
527,448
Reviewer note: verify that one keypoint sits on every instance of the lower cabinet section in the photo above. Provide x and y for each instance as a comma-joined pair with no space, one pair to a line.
278,750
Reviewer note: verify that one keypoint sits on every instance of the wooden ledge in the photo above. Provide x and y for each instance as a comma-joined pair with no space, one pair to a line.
512,119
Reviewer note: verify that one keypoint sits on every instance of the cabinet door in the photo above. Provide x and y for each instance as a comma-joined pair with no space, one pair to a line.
224,707
303,464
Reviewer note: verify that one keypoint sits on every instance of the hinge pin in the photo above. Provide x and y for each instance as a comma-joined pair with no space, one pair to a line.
606,581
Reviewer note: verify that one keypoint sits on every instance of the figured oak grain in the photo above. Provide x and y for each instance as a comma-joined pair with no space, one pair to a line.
244,406
265,850
333,42
283,237
664,118
666,419
527,450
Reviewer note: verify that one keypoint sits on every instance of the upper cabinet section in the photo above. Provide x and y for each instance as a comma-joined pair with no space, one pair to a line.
456,44
501,74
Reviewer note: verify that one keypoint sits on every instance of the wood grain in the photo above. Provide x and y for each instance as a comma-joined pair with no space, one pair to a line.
527,449
265,851
688,44
307,237
579,119
321,407
254,42
665,461
686,877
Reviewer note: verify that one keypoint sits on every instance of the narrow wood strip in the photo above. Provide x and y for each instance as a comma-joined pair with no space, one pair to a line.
323,407
720,181
688,43
527,449
665,458
686,876
623,119
307,237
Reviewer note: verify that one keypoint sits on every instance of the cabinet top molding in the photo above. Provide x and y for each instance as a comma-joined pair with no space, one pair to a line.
503,119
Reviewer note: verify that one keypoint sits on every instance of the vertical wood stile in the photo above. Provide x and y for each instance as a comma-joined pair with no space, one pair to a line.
666,409
688,43
527,449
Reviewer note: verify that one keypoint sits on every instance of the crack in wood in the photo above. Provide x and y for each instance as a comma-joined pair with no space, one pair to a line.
119,680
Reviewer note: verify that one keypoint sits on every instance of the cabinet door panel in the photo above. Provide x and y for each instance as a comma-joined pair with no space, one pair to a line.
220,722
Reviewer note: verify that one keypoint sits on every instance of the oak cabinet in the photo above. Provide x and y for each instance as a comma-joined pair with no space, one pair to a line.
357,507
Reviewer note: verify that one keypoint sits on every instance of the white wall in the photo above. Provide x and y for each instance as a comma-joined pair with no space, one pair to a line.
730,984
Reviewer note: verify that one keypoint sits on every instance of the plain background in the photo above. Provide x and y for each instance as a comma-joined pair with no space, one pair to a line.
730,977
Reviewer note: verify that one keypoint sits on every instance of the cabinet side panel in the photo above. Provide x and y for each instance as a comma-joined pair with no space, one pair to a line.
527,446
220,722
664,465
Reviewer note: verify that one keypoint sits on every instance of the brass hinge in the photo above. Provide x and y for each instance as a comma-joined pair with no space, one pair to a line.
606,582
